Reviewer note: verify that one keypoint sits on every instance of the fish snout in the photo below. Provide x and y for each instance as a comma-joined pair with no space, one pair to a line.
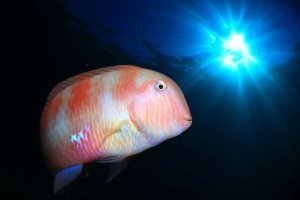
186,119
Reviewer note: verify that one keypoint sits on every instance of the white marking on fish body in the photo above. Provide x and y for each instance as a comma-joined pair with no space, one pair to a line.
81,135
74,138
112,112
140,80
58,128
111,80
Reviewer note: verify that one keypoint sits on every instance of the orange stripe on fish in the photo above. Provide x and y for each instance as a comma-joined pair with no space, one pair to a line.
80,96
126,85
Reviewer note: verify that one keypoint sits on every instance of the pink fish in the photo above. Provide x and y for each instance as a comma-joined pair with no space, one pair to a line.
107,115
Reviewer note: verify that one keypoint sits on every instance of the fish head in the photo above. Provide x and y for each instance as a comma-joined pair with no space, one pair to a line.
159,109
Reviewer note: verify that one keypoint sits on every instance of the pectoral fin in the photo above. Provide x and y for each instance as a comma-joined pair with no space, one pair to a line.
66,176
120,144
123,141
110,159
115,169
116,165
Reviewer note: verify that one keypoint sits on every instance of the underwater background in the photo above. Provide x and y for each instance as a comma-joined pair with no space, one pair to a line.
238,64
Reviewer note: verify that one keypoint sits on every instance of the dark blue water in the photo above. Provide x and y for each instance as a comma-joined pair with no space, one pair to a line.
244,141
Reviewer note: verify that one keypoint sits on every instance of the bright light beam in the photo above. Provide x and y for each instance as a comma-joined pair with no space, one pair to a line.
232,39
236,52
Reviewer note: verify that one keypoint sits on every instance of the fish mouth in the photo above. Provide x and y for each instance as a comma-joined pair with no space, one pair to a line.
187,123
189,119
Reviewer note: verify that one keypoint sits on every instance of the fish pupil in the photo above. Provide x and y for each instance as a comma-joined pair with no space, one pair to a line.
160,86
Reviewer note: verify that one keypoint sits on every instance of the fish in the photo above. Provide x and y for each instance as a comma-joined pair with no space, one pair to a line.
106,115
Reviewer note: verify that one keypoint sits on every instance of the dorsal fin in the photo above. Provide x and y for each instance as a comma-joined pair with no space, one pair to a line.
77,78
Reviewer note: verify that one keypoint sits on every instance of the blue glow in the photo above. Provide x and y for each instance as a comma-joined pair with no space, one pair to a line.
236,52
236,38
195,31
234,46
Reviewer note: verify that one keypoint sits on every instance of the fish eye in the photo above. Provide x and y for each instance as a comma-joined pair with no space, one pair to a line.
160,85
